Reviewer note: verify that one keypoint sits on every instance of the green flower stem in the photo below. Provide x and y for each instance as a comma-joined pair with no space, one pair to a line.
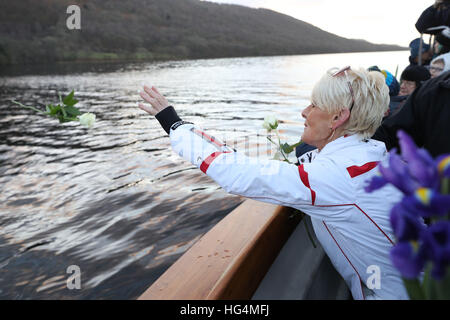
445,186
281,150
32,108
268,138
414,289
297,144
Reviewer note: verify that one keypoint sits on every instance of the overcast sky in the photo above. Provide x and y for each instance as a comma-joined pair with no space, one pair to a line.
380,21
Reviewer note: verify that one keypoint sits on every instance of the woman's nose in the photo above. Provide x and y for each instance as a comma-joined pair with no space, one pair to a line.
306,111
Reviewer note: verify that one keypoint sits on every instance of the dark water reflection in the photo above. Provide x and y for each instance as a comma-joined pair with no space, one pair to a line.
114,200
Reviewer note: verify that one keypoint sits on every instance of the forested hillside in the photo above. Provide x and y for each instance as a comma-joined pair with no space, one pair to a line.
34,31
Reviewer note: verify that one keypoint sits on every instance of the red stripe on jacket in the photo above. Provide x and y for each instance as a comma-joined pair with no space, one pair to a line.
208,137
351,264
305,180
355,171
207,162
356,206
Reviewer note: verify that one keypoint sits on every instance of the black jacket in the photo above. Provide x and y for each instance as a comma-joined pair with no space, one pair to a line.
425,116
433,17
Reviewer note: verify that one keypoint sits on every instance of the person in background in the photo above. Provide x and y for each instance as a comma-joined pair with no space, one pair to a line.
414,47
410,79
443,41
393,85
439,65
436,15
439,49
425,117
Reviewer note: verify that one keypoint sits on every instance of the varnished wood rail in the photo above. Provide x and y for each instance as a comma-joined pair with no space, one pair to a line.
230,260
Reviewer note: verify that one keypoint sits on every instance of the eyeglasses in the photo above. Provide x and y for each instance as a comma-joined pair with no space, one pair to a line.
436,69
344,71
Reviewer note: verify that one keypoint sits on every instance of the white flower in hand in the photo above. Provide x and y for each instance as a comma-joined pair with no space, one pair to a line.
277,156
87,119
270,123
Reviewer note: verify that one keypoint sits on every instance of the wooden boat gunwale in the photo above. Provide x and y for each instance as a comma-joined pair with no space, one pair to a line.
230,260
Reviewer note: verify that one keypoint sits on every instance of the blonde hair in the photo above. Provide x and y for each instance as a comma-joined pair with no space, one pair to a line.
371,93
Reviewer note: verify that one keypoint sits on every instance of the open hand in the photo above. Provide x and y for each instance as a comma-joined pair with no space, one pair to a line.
156,100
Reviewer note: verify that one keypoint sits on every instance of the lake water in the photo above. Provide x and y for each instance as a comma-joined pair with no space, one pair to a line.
114,200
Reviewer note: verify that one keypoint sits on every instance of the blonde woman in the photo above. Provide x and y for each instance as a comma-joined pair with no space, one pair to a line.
353,226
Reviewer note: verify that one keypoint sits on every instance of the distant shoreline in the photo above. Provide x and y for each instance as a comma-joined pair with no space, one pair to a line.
108,65
175,58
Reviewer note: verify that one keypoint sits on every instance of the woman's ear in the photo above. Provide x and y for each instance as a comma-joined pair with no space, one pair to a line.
340,118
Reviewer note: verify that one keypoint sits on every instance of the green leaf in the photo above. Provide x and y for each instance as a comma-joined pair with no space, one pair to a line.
445,186
72,111
53,110
274,126
287,148
443,286
69,97
65,119
70,100
429,286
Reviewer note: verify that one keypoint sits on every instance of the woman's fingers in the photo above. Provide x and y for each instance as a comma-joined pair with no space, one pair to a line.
154,93
154,104
147,98
148,109
156,90
150,92
151,95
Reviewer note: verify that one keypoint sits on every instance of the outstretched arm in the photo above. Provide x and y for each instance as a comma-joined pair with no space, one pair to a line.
265,180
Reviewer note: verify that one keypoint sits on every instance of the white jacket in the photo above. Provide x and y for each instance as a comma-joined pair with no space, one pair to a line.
352,225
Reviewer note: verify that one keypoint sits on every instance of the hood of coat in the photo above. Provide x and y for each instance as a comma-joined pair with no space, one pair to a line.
445,58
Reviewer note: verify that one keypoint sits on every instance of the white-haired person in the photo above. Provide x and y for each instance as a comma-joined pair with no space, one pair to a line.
439,65
347,106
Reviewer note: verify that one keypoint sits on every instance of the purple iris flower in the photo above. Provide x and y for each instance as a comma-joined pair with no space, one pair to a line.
443,163
415,168
429,202
421,165
436,241
406,224
407,260
377,182
397,174
425,184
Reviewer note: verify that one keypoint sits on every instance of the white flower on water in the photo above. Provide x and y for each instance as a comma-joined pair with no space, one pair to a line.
87,119
270,123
